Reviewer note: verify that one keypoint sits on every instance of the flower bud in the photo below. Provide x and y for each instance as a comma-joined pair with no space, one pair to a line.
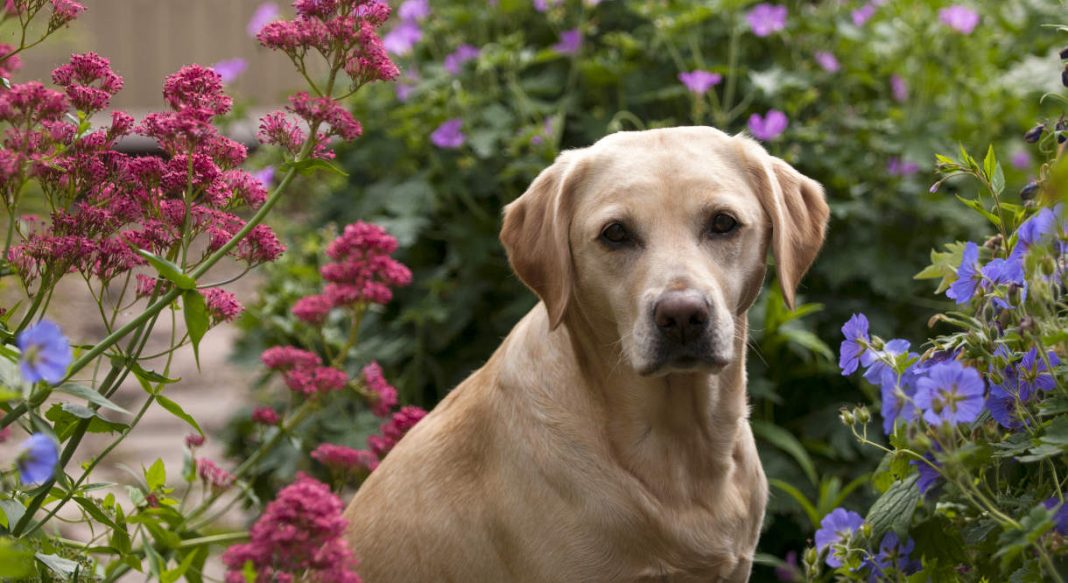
865,529
1027,325
1064,76
1060,127
862,415
1034,133
812,563
847,417
920,442
1029,191
994,243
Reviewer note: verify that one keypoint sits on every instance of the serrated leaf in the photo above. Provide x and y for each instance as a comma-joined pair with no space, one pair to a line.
785,441
310,165
197,320
893,510
176,410
91,396
169,270
943,265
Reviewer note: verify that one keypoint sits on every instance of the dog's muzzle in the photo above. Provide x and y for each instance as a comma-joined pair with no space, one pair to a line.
684,338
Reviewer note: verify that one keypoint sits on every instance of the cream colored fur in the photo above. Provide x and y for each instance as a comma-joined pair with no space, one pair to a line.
566,458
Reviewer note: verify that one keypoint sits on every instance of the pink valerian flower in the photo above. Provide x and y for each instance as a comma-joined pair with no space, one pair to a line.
960,18
313,309
89,81
278,129
222,305
323,110
362,269
8,63
373,62
765,19
301,533
769,126
260,246
289,357
393,430
194,440
343,459
213,476
265,416
314,381
828,61
64,11
197,90
899,89
456,59
383,395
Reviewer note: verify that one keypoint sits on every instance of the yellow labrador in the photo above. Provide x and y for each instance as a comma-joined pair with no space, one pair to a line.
607,438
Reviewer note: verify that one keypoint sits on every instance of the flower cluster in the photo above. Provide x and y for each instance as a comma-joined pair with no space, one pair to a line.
303,371
300,533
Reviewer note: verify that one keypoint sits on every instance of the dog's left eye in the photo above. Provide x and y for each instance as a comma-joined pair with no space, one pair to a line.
722,224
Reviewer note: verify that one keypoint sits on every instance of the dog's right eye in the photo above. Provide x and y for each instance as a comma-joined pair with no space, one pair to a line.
616,235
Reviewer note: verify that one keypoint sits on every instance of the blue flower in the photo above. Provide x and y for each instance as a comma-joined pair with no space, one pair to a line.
950,393
929,476
1034,229
1004,271
38,458
1031,373
836,528
893,555
881,373
46,353
1002,405
853,352
968,275
898,397
1060,517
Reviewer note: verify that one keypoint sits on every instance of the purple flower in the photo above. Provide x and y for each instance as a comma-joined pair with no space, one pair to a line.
545,5
1002,404
230,69
880,372
836,528
448,135
265,175
929,476
899,89
1004,271
547,129
406,86
456,59
968,275
1021,160
46,353
699,81
265,14
769,127
828,61
766,18
402,38
413,10
788,572
960,18
854,353
1032,374
900,167
1041,224
37,460
893,555
1060,516
951,392
570,42
863,14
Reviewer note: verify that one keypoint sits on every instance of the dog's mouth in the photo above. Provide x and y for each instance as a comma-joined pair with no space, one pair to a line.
688,362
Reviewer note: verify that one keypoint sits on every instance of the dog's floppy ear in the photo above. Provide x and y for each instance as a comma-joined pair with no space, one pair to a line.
797,209
535,235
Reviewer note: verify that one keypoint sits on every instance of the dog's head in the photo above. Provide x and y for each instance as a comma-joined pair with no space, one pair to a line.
659,240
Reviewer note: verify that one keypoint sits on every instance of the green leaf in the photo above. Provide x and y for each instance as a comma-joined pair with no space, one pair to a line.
1014,541
893,510
175,574
176,410
990,161
150,376
785,441
91,396
943,265
978,207
1057,432
94,510
13,511
810,510
197,320
156,475
939,539
169,270
15,562
65,416
310,165
65,568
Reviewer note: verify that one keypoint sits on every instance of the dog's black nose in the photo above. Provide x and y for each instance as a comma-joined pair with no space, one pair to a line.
681,316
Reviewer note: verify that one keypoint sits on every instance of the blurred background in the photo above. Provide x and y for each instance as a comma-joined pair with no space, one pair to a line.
866,92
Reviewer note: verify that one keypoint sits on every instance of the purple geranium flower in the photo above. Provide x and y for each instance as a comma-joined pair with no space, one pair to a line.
880,372
1002,404
894,556
46,353
968,275
899,89
836,528
789,570
854,353
457,58
929,476
768,127
951,392
265,14
1031,231
900,167
960,18
1021,160
699,81
1032,374
765,18
863,14
413,10
406,85
828,61
230,69
570,42
1060,517
37,460
448,135
265,175
402,38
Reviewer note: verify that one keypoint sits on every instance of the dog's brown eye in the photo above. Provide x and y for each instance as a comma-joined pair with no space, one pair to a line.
722,224
616,234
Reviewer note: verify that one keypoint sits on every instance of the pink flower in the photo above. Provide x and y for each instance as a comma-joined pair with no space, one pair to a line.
828,61
313,381
765,19
264,14
899,89
383,395
222,305
64,11
10,64
1021,160
313,309
768,127
194,440
960,18
343,459
699,82
214,476
863,14
198,90
265,416
89,81
393,430
288,357
301,533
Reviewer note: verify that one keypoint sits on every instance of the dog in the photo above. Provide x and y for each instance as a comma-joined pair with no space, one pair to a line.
607,438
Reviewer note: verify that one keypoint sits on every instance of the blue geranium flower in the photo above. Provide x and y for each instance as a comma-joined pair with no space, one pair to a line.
46,353
1040,225
1002,404
836,528
1032,375
950,393
929,476
899,400
37,460
854,348
1004,271
1060,517
894,556
968,275
880,373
